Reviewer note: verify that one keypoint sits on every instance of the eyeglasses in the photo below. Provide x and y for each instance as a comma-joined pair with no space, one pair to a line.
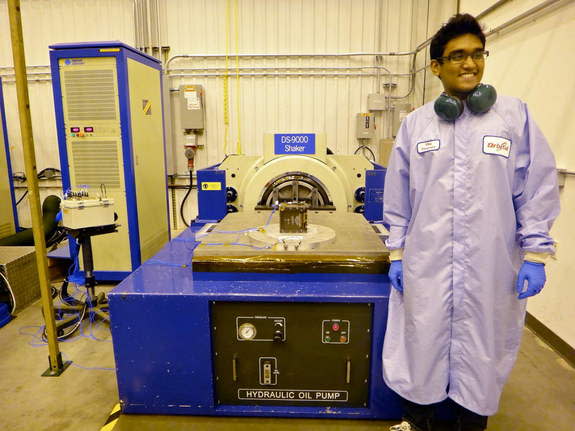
459,57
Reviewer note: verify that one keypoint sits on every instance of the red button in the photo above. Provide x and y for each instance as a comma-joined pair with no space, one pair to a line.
335,326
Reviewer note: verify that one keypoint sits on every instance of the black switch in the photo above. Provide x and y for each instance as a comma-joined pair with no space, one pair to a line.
278,332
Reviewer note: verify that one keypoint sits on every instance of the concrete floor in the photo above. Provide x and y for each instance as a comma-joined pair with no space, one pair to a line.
540,394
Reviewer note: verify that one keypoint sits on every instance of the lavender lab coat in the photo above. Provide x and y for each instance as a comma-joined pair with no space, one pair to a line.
464,200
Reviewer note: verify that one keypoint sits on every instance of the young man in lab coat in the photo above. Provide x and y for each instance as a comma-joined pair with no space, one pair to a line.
470,196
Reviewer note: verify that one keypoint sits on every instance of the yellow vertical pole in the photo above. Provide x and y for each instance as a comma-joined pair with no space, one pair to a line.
55,357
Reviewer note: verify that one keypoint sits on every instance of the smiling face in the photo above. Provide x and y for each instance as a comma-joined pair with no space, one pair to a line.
459,79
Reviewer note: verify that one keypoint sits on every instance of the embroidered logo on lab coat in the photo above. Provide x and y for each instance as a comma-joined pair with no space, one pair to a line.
496,145
424,147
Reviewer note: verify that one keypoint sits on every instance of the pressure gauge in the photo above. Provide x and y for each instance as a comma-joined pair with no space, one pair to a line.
247,331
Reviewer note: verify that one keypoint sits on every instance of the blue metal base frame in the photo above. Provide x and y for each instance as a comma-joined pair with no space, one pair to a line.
160,322
79,277
110,275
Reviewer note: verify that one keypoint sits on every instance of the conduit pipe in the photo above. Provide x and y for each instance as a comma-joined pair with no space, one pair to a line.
526,14
275,75
301,55
491,8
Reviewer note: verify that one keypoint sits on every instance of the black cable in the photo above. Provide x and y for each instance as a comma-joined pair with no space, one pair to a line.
76,326
22,197
4,280
185,198
48,173
178,187
57,237
19,176
67,300
65,297
365,147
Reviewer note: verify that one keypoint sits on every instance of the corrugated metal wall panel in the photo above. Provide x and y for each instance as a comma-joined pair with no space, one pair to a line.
327,104
280,26
46,22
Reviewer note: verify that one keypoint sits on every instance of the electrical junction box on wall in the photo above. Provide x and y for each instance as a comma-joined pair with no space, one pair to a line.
376,102
365,126
8,213
108,105
192,107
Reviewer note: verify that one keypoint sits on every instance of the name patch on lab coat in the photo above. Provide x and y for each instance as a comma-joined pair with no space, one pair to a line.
496,145
424,147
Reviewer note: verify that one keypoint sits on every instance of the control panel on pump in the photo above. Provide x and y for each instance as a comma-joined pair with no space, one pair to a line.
260,350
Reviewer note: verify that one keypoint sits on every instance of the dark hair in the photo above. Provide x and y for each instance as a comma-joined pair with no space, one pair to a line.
457,25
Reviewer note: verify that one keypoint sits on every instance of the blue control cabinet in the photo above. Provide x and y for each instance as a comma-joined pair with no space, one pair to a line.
109,119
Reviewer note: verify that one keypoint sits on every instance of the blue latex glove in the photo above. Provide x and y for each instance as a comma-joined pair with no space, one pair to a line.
532,273
396,275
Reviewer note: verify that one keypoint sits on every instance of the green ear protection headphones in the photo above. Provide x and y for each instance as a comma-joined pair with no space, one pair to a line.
479,101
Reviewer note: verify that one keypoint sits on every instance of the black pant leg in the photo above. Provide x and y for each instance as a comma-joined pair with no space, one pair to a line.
470,421
418,415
